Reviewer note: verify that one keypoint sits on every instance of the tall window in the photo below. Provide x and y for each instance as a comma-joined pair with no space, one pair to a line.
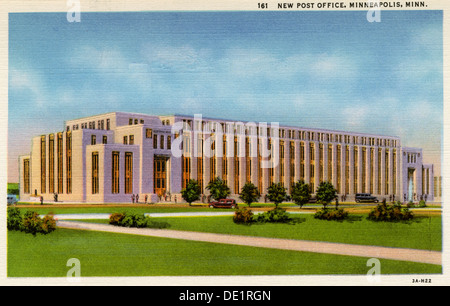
347,170
394,171
93,139
200,163
355,169
128,172
224,161
291,164
69,162
321,166
212,160
131,139
155,142
26,175
115,172
302,160
51,163
386,171
364,174
169,142
105,139
372,167
95,180
260,171
330,162
43,164
281,166
236,165
248,161
312,166
148,133
60,162
338,168
379,171
161,142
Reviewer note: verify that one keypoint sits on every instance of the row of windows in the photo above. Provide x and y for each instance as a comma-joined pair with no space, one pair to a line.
92,125
132,121
356,159
50,188
242,129
94,139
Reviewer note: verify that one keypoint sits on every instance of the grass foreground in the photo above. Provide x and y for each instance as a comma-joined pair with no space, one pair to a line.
112,254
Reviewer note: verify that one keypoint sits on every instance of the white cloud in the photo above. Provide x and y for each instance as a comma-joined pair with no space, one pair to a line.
20,80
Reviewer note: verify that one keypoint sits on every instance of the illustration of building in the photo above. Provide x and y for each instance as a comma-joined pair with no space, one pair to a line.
113,156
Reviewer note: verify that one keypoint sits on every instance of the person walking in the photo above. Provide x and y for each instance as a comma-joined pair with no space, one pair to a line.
132,198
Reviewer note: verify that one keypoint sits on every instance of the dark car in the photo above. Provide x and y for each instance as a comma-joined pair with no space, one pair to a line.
365,197
223,203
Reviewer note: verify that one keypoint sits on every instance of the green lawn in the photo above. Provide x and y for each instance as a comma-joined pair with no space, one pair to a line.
421,233
110,254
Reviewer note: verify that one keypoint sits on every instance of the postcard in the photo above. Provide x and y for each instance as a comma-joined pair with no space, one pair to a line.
224,143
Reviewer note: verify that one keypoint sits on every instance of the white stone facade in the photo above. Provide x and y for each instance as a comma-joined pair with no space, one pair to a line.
112,157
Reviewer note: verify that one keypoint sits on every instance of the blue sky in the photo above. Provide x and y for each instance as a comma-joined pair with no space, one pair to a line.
322,69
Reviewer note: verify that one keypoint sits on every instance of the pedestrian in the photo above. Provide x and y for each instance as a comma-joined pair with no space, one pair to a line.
146,198
132,198
137,198
337,203
42,200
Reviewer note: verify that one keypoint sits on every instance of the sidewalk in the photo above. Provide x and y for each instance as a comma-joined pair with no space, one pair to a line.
422,256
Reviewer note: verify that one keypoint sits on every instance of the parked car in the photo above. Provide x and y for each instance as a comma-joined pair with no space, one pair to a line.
223,203
365,197
12,199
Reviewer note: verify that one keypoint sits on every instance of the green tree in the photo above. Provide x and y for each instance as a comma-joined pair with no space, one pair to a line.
301,192
249,193
276,193
192,192
218,189
326,193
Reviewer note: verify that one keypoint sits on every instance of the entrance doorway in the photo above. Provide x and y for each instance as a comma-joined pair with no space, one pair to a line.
160,175
411,183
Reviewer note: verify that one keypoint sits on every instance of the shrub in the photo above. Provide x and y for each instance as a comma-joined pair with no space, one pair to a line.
116,218
422,203
14,219
48,224
243,216
384,212
276,215
331,214
410,204
135,220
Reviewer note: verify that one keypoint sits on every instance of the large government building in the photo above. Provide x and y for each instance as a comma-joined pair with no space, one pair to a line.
111,157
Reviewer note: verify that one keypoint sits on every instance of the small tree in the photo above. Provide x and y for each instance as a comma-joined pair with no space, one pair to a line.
301,192
218,189
192,192
249,193
276,193
326,193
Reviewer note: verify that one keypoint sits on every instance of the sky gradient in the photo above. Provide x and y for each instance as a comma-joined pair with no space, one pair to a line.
332,70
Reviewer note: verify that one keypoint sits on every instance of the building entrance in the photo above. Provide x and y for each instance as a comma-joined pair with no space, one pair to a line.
160,175
411,184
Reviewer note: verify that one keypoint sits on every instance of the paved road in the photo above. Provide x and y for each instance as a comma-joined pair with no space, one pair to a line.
422,256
